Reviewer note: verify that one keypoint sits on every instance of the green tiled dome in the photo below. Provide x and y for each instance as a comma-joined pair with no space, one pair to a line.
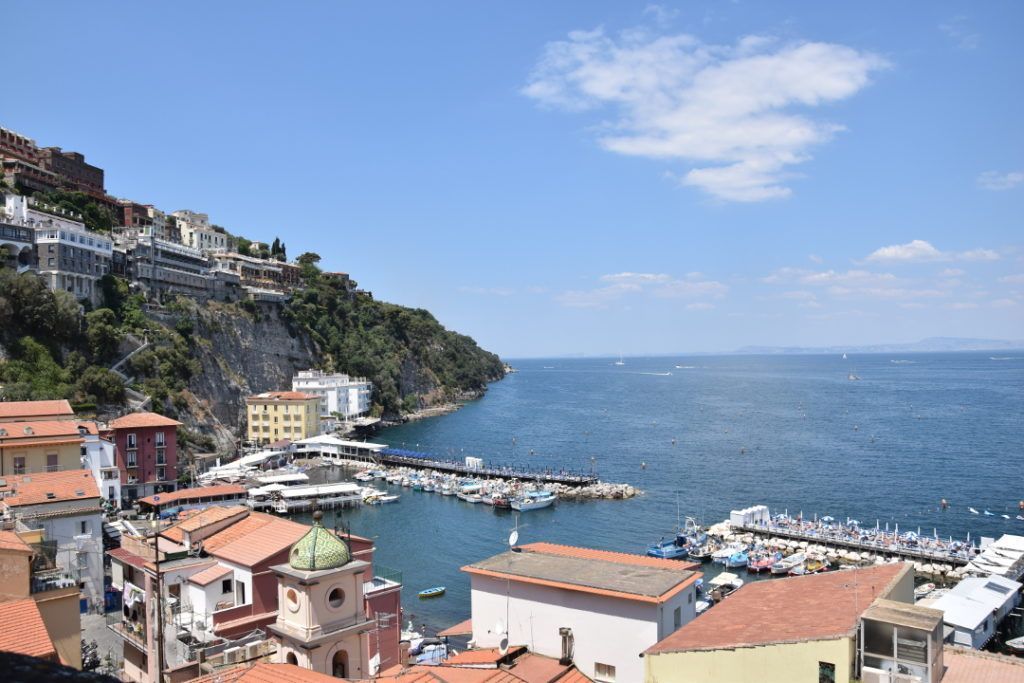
319,549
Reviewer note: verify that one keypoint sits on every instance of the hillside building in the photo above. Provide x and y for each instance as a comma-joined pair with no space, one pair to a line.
340,395
197,232
276,415
147,453
31,447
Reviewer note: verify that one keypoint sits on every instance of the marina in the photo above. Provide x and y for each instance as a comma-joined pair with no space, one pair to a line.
416,459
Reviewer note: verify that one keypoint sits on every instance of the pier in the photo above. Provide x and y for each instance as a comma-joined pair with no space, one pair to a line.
405,458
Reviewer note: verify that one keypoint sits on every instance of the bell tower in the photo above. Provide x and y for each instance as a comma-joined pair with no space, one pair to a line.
321,619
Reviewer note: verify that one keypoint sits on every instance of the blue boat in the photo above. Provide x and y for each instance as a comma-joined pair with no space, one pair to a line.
434,592
667,550
737,560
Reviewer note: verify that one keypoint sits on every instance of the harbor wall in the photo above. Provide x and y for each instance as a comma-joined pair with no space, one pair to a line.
776,663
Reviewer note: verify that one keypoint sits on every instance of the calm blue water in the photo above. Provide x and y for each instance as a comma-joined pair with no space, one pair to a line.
791,432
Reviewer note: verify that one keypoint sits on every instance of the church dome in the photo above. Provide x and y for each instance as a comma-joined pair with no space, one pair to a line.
319,549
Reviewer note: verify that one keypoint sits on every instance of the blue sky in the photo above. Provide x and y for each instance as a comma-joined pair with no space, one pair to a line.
589,177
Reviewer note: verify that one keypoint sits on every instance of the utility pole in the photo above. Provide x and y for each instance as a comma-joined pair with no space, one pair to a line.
159,602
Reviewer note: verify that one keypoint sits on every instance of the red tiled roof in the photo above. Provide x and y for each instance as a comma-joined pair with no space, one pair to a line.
485,655
608,556
24,631
39,432
13,410
482,666
795,609
201,518
463,628
282,396
971,666
12,542
265,673
49,487
254,539
208,576
140,420
185,495
128,557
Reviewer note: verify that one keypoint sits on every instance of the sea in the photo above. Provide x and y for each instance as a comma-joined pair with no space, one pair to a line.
703,435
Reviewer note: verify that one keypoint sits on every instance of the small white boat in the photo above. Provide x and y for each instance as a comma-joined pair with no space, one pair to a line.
534,501
787,564
620,361
923,590
973,511
1016,645
703,606
363,476
383,500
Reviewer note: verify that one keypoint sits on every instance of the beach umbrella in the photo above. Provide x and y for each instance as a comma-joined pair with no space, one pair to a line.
854,522
826,518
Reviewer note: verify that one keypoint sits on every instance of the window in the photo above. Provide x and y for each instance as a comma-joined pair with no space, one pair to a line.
51,462
826,672
83,526
604,672
677,617
19,464
161,473
132,459
133,441
336,598
225,586
161,439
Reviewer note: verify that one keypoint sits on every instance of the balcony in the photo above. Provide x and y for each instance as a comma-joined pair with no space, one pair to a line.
52,580
133,631
383,578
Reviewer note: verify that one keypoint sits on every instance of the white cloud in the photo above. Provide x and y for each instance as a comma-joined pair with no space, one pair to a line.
920,250
660,285
958,30
814,258
729,111
952,272
1017,279
700,306
994,180
1003,303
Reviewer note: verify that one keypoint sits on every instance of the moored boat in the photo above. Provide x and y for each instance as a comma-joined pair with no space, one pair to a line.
434,592
761,562
534,500
667,550
787,564
737,559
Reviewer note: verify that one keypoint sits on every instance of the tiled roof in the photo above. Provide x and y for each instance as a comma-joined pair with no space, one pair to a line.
485,655
39,432
281,396
49,487
265,673
488,666
971,666
13,410
23,629
140,420
208,576
12,542
608,556
128,557
201,518
463,628
185,495
254,539
795,609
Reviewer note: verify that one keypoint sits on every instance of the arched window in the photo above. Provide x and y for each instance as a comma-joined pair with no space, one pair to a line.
290,658
336,598
339,664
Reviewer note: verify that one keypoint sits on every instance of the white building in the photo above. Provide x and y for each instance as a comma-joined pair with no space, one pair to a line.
332,448
600,609
196,231
99,457
1004,557
974,608
66,507
339,394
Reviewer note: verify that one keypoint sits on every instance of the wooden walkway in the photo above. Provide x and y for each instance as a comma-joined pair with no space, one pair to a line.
425,461
918,554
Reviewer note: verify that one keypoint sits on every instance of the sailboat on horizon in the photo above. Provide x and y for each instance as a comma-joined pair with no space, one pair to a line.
844,356
620,361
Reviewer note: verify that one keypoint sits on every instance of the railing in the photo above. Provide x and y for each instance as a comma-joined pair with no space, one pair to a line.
383,577
132,631
53,579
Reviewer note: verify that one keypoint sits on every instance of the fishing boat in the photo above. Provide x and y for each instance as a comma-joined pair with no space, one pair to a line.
434,592
501,503
469,497
447,489
787,564
703,552
534,500
923,590
667,550
737,559
762,562
382,499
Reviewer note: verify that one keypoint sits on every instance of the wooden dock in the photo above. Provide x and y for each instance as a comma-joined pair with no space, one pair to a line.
426,461
835,541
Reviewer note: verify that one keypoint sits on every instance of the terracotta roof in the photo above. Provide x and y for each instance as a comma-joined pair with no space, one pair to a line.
12,542
254,539
799,608
485,655
614,575
488,666
281,396
48,487
13,410
463,628
208,576
24,631
185,495
608,556
201,518
128,557
265,673
140,420
39,432
247,622
971,666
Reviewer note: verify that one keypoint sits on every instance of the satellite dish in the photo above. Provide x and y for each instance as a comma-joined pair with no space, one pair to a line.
499,627
503,646
513,538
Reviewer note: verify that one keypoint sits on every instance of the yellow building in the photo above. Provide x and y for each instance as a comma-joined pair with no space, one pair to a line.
40,446
277,415
805,628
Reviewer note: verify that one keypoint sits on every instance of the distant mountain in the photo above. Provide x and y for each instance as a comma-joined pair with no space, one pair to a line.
929,345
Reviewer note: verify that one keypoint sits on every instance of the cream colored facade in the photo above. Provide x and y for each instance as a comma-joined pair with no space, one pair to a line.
775,663
282,415
17,457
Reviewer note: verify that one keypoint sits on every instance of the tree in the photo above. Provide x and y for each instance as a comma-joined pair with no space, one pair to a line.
103,335
243,246
275,248
101,385
309,258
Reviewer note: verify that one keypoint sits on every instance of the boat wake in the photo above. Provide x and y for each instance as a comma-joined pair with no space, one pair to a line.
1004,357
902,362
656,374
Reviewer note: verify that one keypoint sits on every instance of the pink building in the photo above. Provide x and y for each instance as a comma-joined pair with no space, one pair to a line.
147,453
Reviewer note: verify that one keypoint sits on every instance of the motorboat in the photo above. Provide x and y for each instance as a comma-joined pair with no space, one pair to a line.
724,583
703,606
382,499
923,590
667,550
534,500
811,565
435,592
723,554
469,497
762,562
1016,645
363,476
703,553
737,559
788,564
501,503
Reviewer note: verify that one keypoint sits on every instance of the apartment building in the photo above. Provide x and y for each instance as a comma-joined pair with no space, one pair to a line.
40,446
75,173
197,232
147,453
276,415
339,394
